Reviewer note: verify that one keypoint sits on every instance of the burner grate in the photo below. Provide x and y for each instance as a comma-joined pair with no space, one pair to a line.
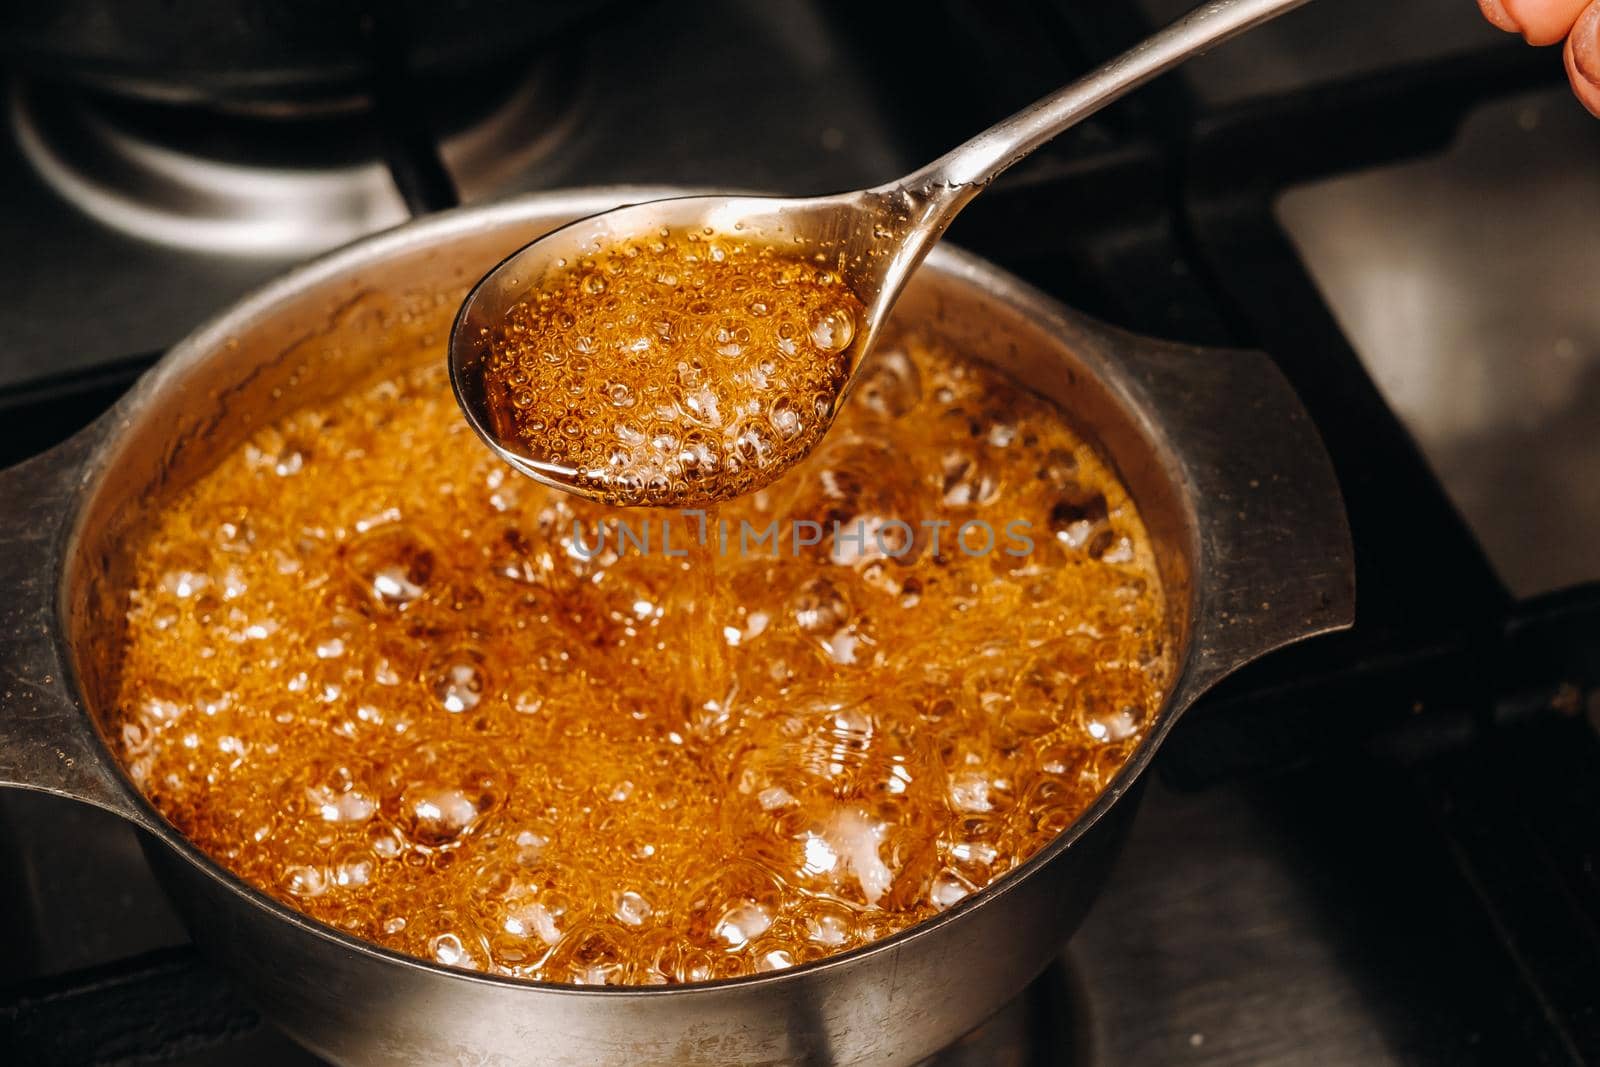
158,1008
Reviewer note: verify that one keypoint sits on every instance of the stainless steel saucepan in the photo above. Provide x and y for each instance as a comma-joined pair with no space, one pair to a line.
1224,464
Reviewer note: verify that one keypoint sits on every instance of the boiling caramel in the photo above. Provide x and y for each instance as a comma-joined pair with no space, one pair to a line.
685,369
431,703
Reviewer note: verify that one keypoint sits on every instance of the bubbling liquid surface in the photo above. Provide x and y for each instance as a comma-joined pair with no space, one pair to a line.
422,699
685,369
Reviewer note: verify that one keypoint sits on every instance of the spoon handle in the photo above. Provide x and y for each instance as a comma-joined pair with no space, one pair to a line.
965,170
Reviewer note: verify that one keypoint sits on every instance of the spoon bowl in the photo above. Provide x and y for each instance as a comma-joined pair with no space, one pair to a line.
872,239
857,232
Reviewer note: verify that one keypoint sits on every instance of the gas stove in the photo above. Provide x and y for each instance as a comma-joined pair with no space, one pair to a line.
1376,848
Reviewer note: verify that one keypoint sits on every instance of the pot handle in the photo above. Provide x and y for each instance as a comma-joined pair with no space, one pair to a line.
47,741
1275,560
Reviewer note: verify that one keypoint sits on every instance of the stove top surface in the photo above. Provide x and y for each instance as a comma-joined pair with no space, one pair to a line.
1379,848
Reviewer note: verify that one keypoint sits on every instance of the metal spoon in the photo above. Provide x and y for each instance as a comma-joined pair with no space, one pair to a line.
877,236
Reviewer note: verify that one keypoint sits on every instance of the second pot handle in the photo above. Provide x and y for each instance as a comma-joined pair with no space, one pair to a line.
1275,561
47,742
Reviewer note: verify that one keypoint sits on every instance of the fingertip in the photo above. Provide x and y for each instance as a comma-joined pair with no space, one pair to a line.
1495,12
1541,22
1588,94
1583,58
